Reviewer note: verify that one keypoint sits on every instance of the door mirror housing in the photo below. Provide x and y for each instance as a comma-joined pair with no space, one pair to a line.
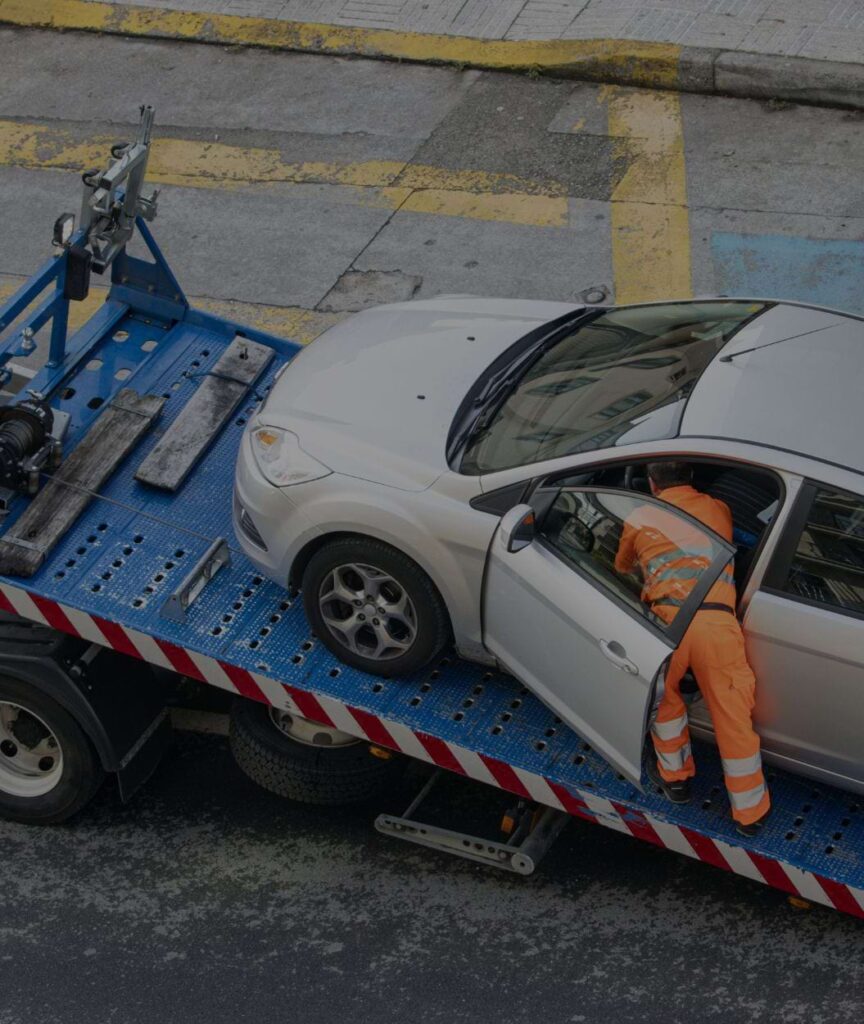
518,528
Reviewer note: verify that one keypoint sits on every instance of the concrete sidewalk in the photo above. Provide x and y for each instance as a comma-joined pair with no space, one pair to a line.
808,51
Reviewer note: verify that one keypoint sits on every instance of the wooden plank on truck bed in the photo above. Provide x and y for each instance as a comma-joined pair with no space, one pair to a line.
205,414
114,434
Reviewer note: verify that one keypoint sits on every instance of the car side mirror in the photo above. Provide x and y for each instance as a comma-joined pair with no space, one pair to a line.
518,528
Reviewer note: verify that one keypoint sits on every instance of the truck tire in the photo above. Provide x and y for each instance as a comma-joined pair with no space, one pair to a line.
48,769
304,770
409,604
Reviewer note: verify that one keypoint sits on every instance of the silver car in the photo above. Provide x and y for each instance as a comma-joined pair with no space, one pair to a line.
458,470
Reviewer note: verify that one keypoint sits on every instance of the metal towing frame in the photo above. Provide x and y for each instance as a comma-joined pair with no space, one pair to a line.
131,579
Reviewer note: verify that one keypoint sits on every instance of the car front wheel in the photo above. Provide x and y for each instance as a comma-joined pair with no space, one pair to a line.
373,607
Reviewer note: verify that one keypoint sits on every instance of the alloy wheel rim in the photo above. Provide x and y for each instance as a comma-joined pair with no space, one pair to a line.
368,611
31,758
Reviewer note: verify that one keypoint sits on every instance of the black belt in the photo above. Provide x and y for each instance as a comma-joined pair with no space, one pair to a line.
706,606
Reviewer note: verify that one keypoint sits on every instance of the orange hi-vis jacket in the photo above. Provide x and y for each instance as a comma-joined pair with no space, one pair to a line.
669,574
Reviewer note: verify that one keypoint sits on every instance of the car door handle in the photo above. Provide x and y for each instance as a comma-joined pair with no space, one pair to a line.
615,653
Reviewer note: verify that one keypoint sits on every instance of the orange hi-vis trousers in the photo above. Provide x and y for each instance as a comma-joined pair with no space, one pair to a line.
713,647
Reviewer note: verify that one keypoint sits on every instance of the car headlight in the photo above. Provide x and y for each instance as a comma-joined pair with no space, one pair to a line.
281,459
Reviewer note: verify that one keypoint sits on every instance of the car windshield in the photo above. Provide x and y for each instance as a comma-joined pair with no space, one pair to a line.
600,379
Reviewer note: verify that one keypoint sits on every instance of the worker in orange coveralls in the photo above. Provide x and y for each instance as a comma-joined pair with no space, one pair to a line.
713,647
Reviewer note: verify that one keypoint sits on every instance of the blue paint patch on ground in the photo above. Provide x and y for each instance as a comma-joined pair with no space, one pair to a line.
824,272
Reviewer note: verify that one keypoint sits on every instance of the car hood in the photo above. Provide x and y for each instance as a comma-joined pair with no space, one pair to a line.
374,396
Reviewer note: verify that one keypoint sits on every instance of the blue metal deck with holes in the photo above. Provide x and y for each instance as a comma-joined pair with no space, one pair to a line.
126,552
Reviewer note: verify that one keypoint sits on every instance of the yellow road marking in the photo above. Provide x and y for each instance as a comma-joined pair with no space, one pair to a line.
389,184
291,322
639,63
650,222
539,211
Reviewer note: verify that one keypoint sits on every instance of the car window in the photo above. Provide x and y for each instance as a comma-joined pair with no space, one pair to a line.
601,378
646,553
828,563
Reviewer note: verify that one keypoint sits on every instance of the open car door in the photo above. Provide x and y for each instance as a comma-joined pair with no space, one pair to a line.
573,628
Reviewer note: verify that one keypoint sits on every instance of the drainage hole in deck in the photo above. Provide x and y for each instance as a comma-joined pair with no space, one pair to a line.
179,553
458,716
117,563
138,539
414,702
540,745
506,716
790,835
241,422
67,393
296,659
70,562
829,849
96,588
550,732
335,673
837,837
467,703
579,759
516,703
477,690
159,577
216,630
107,574
227,617
377,687
257,581
169,566
149,590
137,602
81,551
237,606
253,644
94,403
706,805
59,575
275,618
845,823
496,730
284,606
127,550
425,688
264,631
308,645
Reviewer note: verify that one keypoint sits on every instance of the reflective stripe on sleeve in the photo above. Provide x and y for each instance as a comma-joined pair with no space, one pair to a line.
736,766
749,798
670,730
675,761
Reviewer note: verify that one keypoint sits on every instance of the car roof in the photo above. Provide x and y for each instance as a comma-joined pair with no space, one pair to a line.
792,378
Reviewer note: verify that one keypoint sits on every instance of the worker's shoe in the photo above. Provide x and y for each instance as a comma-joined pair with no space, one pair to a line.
677,792
754,828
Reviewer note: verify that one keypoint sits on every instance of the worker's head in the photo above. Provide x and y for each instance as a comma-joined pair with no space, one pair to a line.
662,475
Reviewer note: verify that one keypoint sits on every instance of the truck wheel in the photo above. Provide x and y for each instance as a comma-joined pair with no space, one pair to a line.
48,769
304,761
373,607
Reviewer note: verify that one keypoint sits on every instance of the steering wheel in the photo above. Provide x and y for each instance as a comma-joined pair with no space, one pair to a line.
635,479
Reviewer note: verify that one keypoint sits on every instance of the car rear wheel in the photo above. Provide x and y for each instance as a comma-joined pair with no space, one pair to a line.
373,607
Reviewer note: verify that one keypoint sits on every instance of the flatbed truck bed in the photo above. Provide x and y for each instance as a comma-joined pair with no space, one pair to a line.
108,580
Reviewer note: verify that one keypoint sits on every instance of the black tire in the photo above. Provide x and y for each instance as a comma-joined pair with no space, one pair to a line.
433,623
300,771
81,774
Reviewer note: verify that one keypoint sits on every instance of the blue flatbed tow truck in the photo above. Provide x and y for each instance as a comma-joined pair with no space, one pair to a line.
142,585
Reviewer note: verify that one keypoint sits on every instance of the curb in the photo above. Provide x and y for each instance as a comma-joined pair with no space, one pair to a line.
624,62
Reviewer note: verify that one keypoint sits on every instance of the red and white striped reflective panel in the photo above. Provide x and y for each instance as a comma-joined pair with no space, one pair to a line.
395,736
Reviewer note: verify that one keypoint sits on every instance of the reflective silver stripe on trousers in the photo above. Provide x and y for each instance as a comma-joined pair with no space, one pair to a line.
736,766
670,730
749,798
675,762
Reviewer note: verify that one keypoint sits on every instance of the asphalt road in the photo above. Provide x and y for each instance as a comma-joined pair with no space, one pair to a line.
295,189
